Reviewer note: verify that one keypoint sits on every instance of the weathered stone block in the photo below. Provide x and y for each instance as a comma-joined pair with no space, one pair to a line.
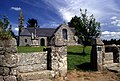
1,78
46,74
31,58
4,71
32,68
10,60
13,71
1,60
1,48
11,49
2,52
10,78
8,43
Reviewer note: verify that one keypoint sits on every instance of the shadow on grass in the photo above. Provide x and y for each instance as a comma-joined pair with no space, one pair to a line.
74,53
85,67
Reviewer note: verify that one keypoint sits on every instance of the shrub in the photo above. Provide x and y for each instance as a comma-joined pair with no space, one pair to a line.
5,35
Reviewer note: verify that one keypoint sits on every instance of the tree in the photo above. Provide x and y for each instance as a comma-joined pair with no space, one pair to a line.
5,29
86,28
4,22
32,23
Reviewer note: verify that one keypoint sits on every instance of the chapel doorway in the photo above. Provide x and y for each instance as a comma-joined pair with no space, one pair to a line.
42,42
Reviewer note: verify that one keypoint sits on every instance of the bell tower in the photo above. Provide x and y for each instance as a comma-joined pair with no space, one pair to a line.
20,25
21,19
21,22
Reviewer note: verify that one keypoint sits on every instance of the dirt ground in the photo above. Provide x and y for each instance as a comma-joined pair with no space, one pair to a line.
90,76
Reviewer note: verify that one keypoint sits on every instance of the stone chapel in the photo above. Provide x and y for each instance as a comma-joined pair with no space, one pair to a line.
30,36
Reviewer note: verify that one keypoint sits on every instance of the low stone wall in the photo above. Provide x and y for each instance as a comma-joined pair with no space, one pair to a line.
31,66
115,55
30,62
108,57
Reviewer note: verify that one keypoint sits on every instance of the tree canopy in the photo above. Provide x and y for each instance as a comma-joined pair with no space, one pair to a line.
86,27
32,23
5,29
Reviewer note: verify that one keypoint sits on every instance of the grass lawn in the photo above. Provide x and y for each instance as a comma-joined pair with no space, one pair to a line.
77,60
25,49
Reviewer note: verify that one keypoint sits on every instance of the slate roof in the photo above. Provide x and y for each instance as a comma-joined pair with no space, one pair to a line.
45,32
25,32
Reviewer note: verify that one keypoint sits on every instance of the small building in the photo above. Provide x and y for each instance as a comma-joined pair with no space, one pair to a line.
32,36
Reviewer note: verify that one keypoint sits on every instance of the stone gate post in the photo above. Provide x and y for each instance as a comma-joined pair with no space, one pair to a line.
59,56
97,54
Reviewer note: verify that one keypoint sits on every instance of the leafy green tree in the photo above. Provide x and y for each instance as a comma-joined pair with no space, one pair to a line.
32,23
5,29
4,22
86,28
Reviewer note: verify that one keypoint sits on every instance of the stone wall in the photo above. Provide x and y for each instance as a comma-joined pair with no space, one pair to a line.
31,66
58,36
22,40
8,60
32,42
103,57
108,57
29,62
115,56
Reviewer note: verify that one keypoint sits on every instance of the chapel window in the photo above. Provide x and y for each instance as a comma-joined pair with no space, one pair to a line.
25,40
64,32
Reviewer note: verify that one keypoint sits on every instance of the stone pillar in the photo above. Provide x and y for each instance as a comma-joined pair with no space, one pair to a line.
8,60
119,56
97,54
59,56
116,54
59,60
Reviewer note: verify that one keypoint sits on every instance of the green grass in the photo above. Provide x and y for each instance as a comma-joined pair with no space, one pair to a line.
77,60
25,49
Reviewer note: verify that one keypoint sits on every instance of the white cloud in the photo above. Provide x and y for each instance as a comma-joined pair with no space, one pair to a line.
50,24
115,22
16,8
113,17
70,8
103,24
16,29
66,15
110,35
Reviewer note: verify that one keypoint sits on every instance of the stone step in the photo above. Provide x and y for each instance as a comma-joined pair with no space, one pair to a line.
36,76
109,62
41,80
111,65
114,67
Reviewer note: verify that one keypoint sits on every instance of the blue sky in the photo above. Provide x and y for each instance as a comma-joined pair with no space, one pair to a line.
52,13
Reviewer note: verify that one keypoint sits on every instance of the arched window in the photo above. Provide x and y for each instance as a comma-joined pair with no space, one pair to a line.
25,40
64,32
42,42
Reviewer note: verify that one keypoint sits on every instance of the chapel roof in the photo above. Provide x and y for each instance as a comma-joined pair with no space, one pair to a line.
45,32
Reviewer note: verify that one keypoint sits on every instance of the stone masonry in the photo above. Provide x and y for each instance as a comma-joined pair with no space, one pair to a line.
8,60
59,60
105,57
42,66
97,54
30,62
